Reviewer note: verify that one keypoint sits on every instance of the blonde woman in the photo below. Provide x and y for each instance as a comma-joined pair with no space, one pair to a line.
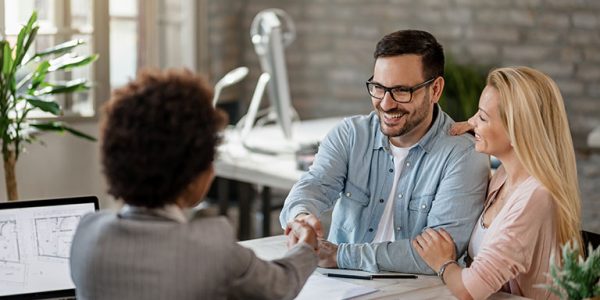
533,204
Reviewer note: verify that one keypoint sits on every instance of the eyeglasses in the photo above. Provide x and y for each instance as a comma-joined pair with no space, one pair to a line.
400,94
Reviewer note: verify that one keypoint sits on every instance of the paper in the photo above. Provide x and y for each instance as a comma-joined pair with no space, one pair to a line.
321,287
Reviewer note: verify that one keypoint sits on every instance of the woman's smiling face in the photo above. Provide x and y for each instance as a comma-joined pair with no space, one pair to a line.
490,135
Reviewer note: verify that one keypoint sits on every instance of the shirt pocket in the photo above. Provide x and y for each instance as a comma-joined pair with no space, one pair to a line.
354,194
421,204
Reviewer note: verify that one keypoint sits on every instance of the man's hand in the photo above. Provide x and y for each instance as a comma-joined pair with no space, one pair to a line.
327,254
435,247
311,220
298,232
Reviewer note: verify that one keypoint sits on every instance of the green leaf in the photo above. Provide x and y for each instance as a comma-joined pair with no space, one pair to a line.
60,48
67,62
7,61
30,40
39,75
464,84
26,35
47,106
49,126
76,85
61,127
2,53
79,133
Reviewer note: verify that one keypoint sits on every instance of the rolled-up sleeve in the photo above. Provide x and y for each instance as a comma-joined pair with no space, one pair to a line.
512,244
318,189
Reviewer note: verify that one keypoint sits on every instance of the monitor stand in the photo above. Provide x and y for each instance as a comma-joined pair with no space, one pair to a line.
260,130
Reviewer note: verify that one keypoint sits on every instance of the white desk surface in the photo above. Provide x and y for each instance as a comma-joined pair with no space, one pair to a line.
236,162
425,287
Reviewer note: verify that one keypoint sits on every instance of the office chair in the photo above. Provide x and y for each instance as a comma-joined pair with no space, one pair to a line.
590,238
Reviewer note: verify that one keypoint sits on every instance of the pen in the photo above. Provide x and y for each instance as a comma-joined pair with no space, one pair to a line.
376,276
365,277
399,276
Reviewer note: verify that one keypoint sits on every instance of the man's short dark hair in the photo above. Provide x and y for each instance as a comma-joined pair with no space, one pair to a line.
414,42
159,133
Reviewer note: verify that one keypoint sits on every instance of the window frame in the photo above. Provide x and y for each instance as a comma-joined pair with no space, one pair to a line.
99,43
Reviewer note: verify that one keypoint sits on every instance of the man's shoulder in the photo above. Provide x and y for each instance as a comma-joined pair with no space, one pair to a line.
447,142
355,122
359,124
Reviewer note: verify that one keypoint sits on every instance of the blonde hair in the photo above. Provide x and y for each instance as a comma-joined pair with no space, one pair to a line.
533,114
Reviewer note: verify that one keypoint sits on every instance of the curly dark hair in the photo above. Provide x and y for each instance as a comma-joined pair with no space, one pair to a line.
414,42
159,133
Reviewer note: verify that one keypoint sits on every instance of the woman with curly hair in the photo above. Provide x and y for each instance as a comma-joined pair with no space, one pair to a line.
159,135
533,203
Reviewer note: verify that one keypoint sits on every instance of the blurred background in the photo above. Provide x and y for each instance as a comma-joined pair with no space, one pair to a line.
327,64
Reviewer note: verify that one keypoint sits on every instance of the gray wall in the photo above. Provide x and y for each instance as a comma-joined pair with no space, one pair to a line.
62,166
332,56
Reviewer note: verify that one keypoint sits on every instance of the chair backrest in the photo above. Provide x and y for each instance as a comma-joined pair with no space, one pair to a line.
590,238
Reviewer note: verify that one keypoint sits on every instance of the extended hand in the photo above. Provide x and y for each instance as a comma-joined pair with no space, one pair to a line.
435,247
460,128
298,232
312,221
327,254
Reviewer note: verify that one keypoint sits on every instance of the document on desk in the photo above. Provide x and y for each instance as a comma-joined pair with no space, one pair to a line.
321,287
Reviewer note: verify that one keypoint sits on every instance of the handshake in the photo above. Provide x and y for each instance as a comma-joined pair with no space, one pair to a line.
306,228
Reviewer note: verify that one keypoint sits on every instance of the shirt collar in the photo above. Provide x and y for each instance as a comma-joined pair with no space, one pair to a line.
169,211
426,142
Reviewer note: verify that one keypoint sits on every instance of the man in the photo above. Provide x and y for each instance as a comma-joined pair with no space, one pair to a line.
394,172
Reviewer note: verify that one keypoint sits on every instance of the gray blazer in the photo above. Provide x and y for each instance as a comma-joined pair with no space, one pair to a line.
144,256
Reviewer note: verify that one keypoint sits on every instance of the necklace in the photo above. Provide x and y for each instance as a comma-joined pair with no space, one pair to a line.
496,205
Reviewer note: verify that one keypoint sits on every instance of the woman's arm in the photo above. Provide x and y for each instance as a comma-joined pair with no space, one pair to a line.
453,278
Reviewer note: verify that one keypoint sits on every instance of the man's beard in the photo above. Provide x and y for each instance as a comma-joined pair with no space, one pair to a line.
413,120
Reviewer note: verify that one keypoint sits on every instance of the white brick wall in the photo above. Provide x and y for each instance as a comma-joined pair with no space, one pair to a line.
332,56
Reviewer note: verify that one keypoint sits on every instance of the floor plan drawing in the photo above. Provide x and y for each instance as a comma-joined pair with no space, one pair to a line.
9,241
11,267
54,235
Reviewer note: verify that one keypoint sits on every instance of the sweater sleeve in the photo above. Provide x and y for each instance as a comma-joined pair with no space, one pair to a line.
510,246
279,279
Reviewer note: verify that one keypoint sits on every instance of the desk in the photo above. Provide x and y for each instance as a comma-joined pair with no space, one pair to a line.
425,287
235,162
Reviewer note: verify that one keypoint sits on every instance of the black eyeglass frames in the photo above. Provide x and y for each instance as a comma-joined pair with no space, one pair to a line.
400,94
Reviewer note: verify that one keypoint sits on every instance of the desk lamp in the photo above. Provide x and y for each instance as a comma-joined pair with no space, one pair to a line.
232,77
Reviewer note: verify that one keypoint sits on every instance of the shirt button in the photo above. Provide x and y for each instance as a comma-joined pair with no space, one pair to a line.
408,164
391,170
348,194
380,200
370,229
424,206
398,228
400,196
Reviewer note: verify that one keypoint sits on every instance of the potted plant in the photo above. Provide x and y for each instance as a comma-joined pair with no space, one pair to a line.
577,278
464,84
24,87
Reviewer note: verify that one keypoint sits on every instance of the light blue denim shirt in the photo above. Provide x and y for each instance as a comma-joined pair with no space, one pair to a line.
442,185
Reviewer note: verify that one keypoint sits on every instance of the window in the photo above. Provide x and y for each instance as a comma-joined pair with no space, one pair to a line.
123,41
169,33
60,21
127,34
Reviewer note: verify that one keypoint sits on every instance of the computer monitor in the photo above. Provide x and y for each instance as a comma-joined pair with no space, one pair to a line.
272,30
35,244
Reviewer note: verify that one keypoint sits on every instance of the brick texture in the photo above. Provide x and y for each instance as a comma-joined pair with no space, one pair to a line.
332,54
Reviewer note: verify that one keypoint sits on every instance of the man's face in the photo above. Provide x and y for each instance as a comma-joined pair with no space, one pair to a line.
398,119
